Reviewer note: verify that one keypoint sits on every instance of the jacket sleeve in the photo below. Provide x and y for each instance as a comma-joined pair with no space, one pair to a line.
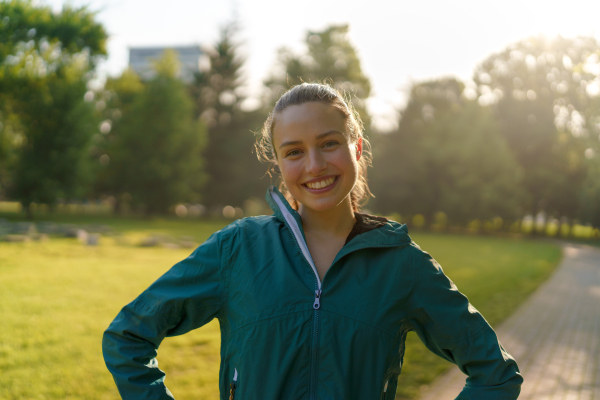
188,296
452,328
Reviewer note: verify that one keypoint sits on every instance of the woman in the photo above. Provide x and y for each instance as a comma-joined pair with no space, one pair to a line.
315,301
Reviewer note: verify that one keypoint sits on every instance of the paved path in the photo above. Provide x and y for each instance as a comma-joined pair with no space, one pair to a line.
554,335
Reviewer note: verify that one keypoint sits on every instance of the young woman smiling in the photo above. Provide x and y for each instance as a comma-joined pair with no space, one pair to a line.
315,301
319,167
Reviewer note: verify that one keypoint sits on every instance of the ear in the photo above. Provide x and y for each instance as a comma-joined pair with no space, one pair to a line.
358,149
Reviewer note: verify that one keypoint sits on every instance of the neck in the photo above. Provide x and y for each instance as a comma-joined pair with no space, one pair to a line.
337,221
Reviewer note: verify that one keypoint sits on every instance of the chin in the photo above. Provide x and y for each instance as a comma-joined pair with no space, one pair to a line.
322,205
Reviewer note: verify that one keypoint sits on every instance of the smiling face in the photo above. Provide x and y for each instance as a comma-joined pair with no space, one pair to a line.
318,164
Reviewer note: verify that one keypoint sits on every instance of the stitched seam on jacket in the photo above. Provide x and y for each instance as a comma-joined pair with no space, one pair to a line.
414,276
358,320
270,317
148,307
411,314
225,278
468,337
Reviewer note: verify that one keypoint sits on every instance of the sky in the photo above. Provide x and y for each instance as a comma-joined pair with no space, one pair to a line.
398,42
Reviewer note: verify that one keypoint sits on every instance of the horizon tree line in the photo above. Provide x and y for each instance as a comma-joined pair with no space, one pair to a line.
520,138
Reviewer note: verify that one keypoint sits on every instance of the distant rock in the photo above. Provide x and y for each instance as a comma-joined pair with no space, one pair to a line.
171,246
82,235
23,228
16,238
69,230
168,242
49,228
152,241
40,237
93,239
187,244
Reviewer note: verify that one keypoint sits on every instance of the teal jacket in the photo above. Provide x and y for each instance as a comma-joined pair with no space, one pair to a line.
286,335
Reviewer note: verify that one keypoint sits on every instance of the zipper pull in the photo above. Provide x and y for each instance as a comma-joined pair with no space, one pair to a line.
384,390
232,385
317,304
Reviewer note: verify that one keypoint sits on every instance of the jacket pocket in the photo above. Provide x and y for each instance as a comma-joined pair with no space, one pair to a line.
385,387
233,385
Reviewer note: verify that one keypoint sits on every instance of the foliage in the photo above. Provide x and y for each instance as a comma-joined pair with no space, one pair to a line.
232,168
446,156
11,139
45,63
118,97
539,90
157,153
590,194
52,160
24,21
330,57
589,201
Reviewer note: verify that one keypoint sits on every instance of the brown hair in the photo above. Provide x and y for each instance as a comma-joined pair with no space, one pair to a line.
323,93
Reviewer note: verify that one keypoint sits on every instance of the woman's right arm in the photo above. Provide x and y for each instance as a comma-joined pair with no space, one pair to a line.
188,296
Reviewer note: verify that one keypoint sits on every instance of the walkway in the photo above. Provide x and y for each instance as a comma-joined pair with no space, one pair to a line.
554,335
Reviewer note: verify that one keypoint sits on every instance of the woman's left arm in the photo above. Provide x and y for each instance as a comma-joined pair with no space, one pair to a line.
453,329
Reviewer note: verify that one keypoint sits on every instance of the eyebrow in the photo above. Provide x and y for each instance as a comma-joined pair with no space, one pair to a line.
320,136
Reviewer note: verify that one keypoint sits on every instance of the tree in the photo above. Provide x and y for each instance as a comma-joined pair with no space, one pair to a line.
590,194
52,161
233,170
157,150
538,90
330,56
118,97
589,199
447,155
45,63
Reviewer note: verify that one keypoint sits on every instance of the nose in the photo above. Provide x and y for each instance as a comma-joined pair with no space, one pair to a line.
316,163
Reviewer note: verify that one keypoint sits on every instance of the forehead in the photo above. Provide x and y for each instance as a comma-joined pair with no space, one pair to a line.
306,120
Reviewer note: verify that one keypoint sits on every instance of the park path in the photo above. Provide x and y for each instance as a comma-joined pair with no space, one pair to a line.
554,335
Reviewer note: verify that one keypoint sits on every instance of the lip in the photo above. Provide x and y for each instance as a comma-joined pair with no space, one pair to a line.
321,190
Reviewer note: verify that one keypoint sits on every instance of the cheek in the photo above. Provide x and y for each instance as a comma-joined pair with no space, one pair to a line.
346,161
290,172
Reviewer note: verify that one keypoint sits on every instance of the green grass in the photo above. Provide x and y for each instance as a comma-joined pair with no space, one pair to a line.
57,298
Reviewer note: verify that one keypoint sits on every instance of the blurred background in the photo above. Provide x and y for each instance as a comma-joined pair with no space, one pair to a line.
126,139
479,116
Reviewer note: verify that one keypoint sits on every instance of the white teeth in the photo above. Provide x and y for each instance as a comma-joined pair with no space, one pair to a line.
320,184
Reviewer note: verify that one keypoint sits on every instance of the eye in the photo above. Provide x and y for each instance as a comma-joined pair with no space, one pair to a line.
293,153
331,143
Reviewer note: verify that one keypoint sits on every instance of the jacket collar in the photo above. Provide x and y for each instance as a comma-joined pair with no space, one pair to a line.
274,192
392,234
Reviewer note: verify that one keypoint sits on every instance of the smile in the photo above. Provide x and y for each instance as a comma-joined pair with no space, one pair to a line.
323,184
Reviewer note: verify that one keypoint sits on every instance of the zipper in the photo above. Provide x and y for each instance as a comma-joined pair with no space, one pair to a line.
384,390
293,226
301,244
233,385
317,303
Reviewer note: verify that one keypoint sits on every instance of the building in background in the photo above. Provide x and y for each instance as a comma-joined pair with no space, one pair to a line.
190,57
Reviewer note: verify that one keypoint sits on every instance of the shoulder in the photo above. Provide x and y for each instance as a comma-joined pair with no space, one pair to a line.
250,225
419,262
246,230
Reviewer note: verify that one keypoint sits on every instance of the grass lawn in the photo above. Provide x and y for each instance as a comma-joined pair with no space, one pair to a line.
58,296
